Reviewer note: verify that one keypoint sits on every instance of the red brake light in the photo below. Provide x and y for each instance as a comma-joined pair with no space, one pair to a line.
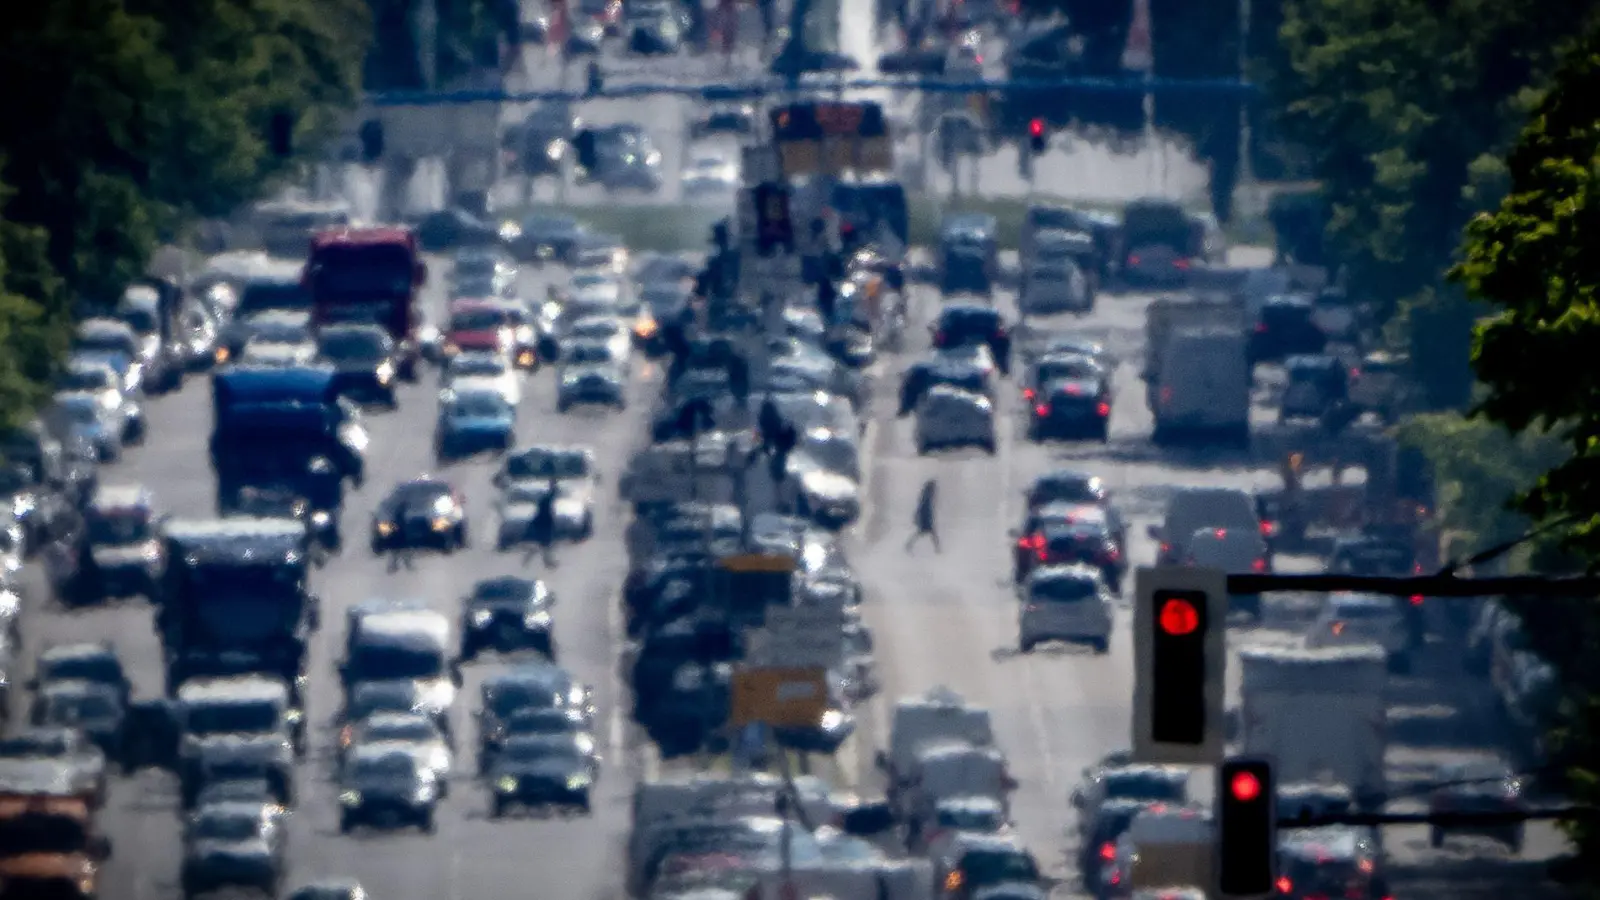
1103,410
1268,528
1108,851
1042,410
1416,599
1166,395
1285,885
1028,393
1113,554
1416,568
1074,390
938,336
1259,565
1261,328
1036,128
1181,264
1042,552
1220,533
1133,260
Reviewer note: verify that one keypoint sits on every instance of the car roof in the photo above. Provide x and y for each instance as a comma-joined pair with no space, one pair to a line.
236,689
76,650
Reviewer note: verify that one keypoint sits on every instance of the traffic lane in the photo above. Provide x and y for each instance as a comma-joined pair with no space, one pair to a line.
480,854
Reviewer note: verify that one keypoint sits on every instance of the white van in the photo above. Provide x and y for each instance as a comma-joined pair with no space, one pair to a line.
1203,387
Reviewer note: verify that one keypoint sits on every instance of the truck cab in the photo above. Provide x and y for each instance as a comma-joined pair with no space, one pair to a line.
370,275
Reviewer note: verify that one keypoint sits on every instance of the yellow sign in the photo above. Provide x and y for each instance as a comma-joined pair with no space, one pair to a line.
779,697
758,562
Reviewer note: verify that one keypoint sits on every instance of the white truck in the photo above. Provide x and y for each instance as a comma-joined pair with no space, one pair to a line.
1165,316
1321,715
1201,387
941,716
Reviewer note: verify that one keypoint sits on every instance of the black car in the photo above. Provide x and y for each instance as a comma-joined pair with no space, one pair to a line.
364,362
421,513
532,686
1071,408
1286,327
386,788
546,237
271,502
542,771
448,229
960,324
508,614
1375,554
736,121
546,139
1089,543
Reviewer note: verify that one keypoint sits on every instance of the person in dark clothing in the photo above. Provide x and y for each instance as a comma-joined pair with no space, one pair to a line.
787,438
923,518
542,528
768,422
739,377
827,300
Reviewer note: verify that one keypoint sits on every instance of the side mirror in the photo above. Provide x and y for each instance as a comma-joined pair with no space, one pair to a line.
1077,794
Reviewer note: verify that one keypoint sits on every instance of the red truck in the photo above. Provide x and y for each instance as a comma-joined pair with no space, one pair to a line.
370,275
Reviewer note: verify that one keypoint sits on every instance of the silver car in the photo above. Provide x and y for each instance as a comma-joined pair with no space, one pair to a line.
1053,289
1064,603
950,417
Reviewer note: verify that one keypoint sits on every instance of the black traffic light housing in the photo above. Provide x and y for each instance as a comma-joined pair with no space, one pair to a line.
1178,699
774,224
371,135
280,134
1038,136
1247,828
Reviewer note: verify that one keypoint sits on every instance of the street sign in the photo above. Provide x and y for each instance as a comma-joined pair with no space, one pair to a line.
780,697
800,636
751,583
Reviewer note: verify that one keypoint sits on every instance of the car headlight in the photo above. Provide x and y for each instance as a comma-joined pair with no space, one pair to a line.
320,466
22,505
424,794
441,524
439,760
450,348
506,785
578,782
510,231
525,358
553,151
537,620
832,720
385,372
320,519
222,355
293,716
645,328
481,618
350,798
443,506
385,528
577,695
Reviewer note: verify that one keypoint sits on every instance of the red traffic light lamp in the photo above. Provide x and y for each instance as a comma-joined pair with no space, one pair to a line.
1179,617
1245,787
1037,139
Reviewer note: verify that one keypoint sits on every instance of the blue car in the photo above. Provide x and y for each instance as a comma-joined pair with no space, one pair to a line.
473,419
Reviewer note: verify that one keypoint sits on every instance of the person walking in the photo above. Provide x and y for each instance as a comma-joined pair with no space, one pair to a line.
923,518
542,528
768,421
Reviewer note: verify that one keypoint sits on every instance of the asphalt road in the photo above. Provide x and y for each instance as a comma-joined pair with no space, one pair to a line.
470,857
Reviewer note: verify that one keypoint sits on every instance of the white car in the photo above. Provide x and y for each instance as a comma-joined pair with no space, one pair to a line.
710,173
829,498
1350,619
1054,289
949,417
608,330
519,503
1064,603
418,734
482,369
525,476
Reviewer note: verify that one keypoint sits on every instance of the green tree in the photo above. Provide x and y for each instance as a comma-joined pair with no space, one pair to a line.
1531,259
1406,108
30,334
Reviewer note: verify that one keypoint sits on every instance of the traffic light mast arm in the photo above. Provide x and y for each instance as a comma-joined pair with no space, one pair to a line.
1426,585
1459,819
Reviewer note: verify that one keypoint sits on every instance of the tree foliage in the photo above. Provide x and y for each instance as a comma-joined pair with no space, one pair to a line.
1406,107
1532,259
125,118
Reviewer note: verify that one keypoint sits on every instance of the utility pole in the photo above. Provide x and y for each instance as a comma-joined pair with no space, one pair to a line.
1245,189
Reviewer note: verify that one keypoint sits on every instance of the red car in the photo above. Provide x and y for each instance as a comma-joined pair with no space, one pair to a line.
482,325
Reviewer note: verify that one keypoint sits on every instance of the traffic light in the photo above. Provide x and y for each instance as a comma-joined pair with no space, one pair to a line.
774,225
371,141
1038,138
1179,654
1247,829
280,134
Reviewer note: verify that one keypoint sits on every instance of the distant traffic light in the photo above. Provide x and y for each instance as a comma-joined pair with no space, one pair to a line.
774,224
1247,836
1179,657
371,135
280,134
1038,137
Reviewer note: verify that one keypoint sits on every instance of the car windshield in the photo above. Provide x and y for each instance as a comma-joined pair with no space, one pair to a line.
479,405
543,751
405,730
45,743
590,281
101,667
540,724
70,708
482,365
384,767
1067,490
591,354
966,818
420,492
543,464
478,319
79,410
87,379
107,341
984,867
1144,786
1067,369
225,825
119,527
508,697
264,296
143,321
239,717
596,328
381,661
43,833
278,333
1062,590
353,344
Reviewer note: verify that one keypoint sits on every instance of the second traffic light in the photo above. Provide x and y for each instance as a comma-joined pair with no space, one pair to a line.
1247,829
1179,657
1038,137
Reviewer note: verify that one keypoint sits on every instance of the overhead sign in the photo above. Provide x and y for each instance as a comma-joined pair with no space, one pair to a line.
759,562
779,697
800,636
832,137
751,583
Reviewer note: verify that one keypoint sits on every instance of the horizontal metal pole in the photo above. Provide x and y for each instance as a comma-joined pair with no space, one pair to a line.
1424,585
756,89
1451,818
